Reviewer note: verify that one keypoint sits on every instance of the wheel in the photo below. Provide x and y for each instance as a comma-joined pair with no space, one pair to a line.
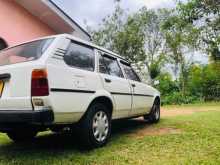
22,135
96,126
154,115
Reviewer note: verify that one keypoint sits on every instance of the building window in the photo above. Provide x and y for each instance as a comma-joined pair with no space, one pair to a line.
3,44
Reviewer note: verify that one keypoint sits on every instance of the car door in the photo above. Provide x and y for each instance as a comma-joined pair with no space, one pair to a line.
142,95
114,82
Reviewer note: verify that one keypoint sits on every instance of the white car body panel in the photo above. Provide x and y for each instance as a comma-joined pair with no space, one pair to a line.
122,102
16,92
67,84
142,98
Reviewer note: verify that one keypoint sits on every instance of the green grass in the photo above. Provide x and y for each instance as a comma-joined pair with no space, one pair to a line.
199,104
197,143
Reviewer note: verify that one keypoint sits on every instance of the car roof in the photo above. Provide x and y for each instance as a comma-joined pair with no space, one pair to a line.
71,37
94,46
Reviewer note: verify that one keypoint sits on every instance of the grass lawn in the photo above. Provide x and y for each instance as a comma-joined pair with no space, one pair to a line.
182,139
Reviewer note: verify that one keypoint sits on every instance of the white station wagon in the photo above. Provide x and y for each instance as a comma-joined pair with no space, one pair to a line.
60,81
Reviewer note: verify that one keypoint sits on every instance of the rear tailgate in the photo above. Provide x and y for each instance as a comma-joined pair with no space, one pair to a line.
16,89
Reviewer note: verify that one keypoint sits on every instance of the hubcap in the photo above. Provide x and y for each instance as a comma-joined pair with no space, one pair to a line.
100,126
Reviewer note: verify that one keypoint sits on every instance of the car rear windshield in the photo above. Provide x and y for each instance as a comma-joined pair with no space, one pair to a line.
25,52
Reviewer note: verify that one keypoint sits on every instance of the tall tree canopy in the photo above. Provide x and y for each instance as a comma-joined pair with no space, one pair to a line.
205,16
158,40
137,37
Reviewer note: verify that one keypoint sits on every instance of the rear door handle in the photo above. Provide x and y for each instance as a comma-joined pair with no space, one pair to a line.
108,80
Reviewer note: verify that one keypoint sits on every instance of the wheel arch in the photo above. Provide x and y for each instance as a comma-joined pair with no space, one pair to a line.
100,99
105,100
157,98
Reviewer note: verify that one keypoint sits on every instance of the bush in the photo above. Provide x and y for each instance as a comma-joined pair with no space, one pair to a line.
203,84
177,98
166,84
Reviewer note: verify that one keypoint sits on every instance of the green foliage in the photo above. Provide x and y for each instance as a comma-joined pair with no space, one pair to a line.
155,39
211,83
181,39
205,16
177,98
166,84
205,82
170,91
203,85
137,37
129,42
106,35
195,81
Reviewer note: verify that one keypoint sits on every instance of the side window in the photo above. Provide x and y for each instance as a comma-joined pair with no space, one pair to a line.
80,56
130,73
102,66
108,65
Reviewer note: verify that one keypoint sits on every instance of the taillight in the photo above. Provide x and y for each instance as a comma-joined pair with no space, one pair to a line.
39,83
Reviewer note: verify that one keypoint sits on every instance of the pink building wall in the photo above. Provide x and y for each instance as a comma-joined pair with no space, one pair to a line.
18,25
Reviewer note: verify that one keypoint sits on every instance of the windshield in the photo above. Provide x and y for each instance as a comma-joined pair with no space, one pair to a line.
25,52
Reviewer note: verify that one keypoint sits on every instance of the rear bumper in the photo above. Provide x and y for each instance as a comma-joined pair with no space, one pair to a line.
14,119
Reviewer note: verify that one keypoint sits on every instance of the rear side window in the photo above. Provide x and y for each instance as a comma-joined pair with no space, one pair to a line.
108,65
80,56
130,73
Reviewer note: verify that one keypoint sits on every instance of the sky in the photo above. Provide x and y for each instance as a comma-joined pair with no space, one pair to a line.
93,11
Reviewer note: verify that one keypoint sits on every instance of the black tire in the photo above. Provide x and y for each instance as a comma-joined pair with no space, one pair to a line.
57,130
87,129
22,135
154,115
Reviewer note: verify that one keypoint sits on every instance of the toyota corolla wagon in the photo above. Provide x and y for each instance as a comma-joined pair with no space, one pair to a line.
60,81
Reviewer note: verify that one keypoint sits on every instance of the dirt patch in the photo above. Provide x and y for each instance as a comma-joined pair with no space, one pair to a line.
167,113
182,111
151,131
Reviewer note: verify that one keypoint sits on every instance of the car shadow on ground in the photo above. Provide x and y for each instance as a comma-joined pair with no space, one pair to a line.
56,144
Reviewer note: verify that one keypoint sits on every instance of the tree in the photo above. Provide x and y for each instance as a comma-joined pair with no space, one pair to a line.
211,83
151,39
129,41
195,81
137,37
181,41
204,82
109,28
154,39
205,16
